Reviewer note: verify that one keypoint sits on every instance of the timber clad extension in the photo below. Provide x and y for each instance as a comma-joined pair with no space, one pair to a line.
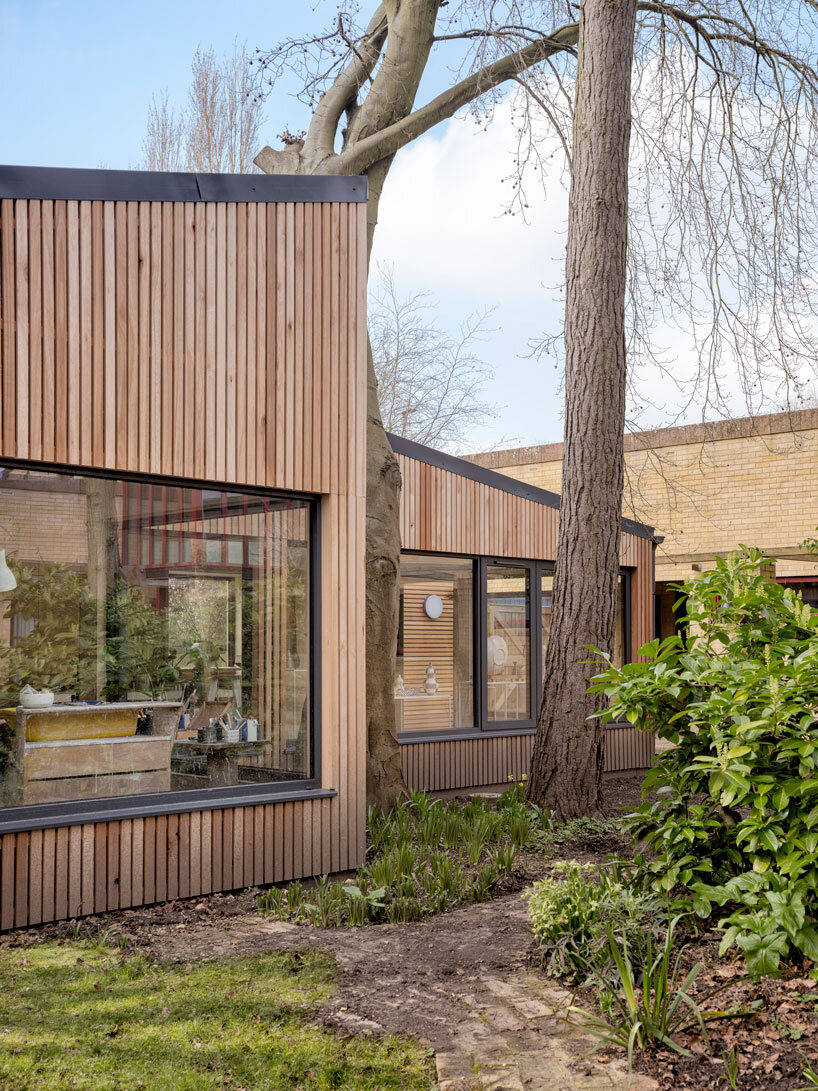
211,341
183,389
450,506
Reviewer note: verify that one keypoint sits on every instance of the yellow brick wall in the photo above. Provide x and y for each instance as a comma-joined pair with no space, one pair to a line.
42,527
709,488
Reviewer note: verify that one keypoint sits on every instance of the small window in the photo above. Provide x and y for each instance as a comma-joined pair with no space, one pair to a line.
434,665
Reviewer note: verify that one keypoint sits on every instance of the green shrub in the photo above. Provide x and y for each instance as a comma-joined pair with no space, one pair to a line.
572,911
735,821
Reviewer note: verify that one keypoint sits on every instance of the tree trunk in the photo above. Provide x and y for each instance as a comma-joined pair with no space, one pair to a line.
384,773
566,768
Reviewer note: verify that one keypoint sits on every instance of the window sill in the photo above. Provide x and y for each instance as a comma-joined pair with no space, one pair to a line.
76,813
445,735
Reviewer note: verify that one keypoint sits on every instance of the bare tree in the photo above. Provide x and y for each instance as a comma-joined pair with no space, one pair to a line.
361,83
217,131
429,382
566,767
722,230
163,147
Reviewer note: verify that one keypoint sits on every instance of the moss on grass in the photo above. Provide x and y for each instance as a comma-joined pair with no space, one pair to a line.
79,1016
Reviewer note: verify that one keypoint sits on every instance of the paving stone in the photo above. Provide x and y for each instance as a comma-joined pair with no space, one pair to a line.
452,1066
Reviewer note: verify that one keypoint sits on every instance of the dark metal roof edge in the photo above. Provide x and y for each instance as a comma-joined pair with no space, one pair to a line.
77,184
494,480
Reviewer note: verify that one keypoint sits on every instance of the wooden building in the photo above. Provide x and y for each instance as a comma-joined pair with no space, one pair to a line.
182,429
473,534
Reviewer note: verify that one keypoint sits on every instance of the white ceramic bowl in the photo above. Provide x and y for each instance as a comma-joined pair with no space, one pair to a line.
36,699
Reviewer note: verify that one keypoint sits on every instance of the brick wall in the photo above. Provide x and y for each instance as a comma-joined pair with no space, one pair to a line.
708,487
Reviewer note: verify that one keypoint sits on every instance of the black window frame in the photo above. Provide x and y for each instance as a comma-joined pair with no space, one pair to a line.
34,816
485,728
534,613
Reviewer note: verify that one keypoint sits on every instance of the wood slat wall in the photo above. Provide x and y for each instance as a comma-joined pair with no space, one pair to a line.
205,340
473,763
441,511
224,343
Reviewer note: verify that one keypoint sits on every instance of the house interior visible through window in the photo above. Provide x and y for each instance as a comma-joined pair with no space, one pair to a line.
434,685
508,639
157,638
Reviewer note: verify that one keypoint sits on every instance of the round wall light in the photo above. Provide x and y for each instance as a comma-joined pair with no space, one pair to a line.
433,606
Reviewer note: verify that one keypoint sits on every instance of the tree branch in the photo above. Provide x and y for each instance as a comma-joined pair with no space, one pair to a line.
344,89
362,154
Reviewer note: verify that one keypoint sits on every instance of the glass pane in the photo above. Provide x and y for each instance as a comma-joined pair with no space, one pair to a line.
434,667
618,652
547,602
161,661
508,631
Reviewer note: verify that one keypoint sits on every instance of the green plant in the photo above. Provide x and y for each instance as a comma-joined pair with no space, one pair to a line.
408,873
648,1005
273,901
737,794
811,1076
477,837
770,919
572,911
730,1058
502,858
363,904
60,651
295,897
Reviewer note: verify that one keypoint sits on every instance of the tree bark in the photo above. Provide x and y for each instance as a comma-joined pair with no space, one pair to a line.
391,58
566,769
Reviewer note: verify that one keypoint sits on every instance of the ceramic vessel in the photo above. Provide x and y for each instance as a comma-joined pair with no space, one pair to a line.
431,684
32,698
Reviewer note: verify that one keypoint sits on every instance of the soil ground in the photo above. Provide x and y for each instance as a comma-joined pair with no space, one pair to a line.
467,983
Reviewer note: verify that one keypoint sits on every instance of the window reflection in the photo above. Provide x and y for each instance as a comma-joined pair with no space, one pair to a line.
508,631
166,629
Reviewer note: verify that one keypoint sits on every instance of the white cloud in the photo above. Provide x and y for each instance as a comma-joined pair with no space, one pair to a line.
442,225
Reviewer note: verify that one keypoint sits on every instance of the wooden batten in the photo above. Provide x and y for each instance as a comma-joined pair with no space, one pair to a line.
221,342
209,341
447,512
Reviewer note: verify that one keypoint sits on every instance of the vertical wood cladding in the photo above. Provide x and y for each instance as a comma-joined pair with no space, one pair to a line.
472,763
221,342
441,511
215,341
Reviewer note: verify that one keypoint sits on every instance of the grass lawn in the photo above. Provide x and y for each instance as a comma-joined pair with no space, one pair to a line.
78,1015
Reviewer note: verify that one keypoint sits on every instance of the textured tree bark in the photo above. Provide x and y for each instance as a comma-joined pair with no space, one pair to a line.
389,61
566,769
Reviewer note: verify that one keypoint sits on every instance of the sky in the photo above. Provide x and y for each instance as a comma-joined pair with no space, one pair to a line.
78,77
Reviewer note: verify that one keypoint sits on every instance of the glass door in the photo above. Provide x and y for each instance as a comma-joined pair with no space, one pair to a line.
507,644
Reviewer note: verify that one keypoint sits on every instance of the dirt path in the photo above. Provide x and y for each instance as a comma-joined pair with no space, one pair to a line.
459,982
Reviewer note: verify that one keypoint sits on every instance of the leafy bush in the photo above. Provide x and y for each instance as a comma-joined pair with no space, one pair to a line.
572,911
736,819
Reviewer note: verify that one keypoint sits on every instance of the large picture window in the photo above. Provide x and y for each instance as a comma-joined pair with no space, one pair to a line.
153,638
